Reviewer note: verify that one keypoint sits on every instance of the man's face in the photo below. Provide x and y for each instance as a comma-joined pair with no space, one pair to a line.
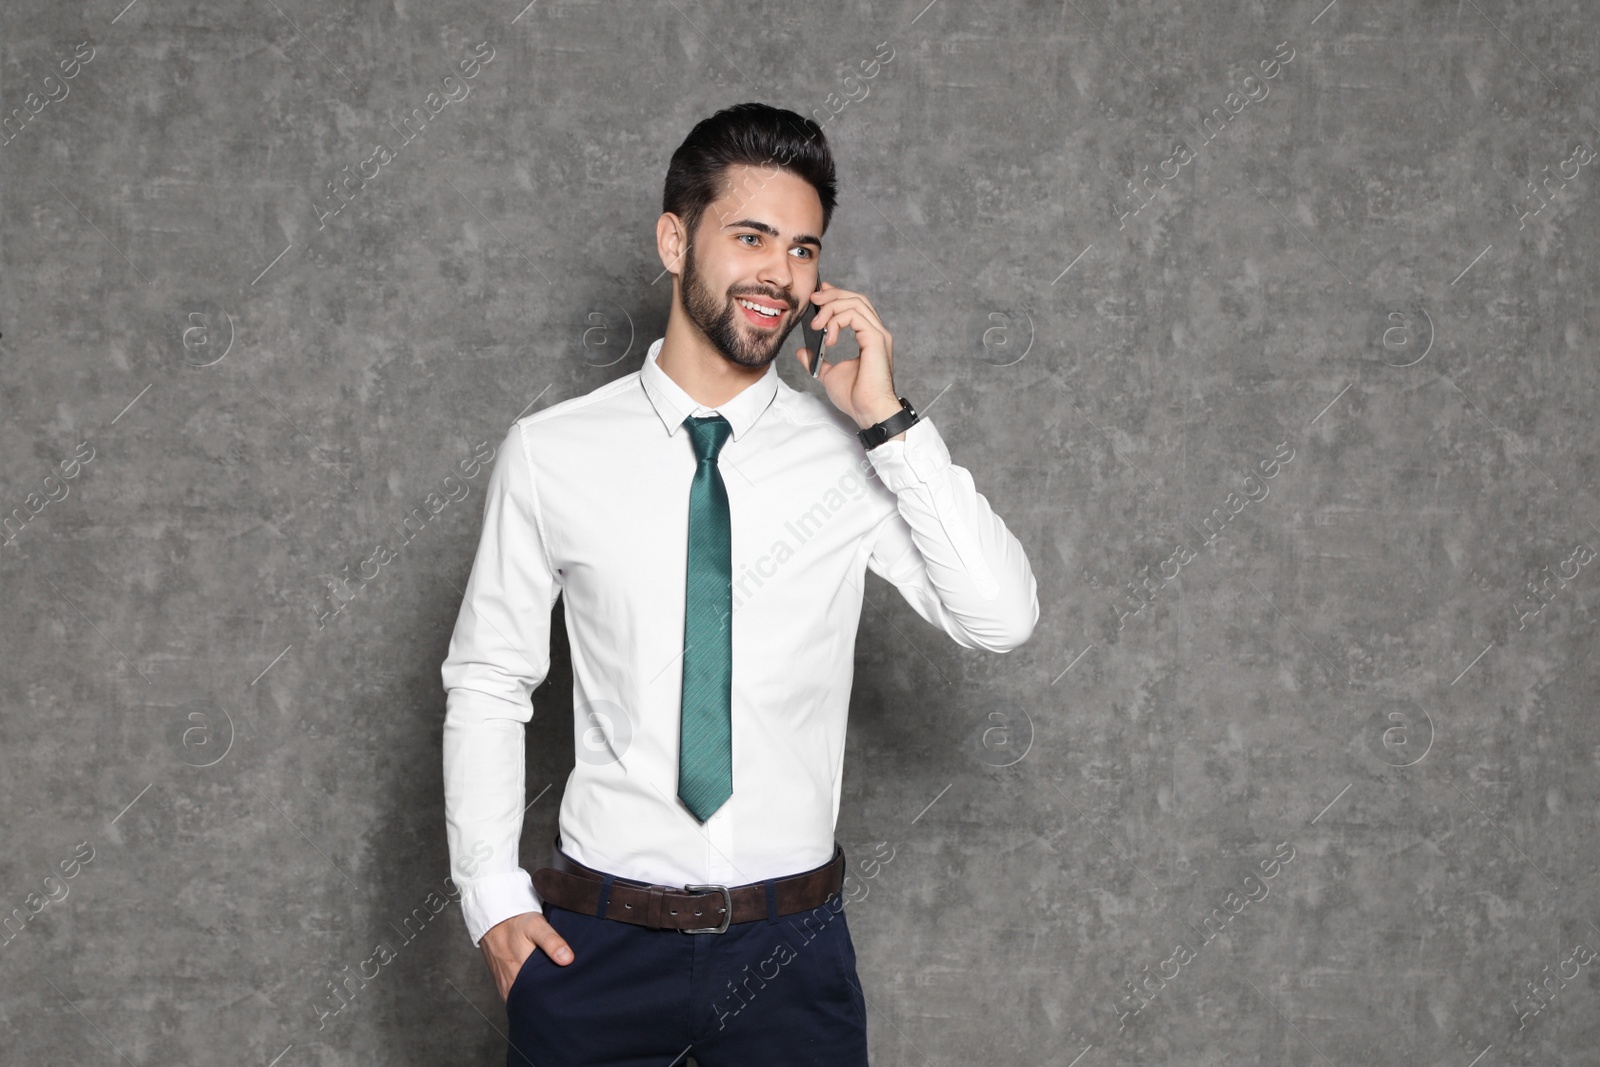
758,241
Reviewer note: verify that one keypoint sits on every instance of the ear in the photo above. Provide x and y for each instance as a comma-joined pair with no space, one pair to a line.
672,241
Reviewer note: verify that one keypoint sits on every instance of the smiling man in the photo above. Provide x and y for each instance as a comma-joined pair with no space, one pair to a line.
708,529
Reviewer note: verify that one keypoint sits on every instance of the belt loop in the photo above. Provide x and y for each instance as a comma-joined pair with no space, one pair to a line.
772,902
655,908
605,896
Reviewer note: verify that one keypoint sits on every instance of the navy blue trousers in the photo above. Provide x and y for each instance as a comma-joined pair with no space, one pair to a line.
778,992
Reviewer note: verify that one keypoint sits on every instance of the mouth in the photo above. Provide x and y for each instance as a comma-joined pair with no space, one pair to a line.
755,311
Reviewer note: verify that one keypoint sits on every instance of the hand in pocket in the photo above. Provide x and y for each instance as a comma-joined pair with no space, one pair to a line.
507,945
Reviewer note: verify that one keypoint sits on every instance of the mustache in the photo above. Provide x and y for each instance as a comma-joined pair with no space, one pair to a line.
768,299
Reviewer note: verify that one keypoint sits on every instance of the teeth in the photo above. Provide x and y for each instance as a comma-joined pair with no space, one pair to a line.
758,308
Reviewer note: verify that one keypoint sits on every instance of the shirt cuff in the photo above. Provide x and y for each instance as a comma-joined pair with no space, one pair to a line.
490,900
916,459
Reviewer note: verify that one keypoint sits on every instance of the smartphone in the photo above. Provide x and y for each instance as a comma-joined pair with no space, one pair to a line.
812,337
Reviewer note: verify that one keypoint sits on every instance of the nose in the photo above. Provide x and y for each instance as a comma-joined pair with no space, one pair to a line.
778,276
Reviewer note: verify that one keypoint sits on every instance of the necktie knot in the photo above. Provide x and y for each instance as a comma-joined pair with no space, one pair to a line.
708,433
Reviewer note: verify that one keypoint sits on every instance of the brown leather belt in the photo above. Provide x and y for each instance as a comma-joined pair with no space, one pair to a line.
566,883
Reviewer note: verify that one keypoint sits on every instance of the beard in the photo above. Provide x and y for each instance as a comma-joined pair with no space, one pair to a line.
722,321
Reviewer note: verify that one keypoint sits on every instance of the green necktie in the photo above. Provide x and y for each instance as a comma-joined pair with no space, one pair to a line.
705,747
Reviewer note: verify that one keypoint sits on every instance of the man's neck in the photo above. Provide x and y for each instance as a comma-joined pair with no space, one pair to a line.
690,360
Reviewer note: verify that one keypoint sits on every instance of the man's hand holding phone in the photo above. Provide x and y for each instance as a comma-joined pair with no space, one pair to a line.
862,388
508,944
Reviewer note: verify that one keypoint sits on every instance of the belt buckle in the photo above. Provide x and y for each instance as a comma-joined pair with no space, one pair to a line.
727,914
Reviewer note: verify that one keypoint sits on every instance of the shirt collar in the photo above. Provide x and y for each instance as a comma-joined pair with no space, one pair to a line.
674,405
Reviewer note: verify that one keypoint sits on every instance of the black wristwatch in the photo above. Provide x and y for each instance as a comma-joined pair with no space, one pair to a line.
873,436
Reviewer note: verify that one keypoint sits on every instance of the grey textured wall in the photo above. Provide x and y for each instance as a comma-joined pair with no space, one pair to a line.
1268,328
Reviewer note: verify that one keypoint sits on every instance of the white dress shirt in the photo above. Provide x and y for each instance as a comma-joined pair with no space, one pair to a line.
589,498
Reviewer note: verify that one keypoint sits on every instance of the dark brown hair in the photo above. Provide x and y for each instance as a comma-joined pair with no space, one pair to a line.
754,134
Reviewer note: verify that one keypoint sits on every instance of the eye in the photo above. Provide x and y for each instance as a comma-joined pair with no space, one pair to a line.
742,236
809,253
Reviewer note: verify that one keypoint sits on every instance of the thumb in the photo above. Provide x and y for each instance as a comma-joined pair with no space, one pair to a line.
550,942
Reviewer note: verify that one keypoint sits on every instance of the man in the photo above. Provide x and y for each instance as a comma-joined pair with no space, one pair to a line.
708,528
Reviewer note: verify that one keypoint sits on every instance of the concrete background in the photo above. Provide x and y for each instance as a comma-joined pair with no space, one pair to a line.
1371,674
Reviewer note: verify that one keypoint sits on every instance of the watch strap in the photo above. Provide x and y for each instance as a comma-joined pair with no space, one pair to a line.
875,435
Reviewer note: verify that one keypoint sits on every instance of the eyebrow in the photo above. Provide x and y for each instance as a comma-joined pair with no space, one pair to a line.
757,224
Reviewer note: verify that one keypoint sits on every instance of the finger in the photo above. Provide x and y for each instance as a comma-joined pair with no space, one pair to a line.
853,318
825,293
855,303
861,298
554,946
825,315
836,324
834,294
